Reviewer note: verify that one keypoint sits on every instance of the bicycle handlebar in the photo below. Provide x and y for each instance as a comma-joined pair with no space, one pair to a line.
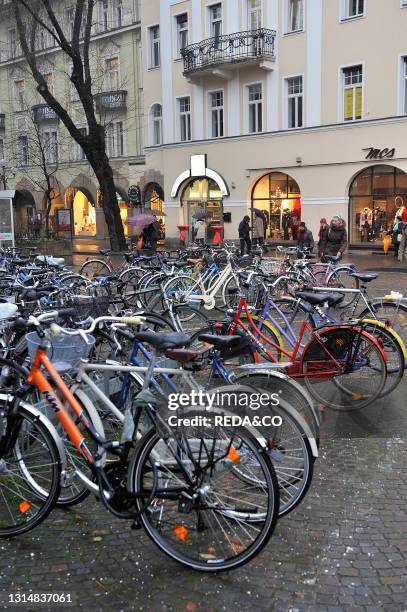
57,329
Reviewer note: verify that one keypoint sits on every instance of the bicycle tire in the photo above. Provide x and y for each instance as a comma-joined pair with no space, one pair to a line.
204,561
337,279
389,312
27,495
95,267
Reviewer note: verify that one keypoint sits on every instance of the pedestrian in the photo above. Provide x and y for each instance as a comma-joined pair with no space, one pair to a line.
323,225
305,238
244,235
151,234
258,228
334,238
402,253
396,234
200,231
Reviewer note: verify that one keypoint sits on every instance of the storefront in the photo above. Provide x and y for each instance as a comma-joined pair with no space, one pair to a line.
376,196
278,196
203,196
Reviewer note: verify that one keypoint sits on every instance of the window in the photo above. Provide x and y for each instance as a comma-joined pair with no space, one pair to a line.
184,112
182,33
2,150
215,12
353,8
118,13
23,154
49,141
295,102
154,37
254,14
216,110
112,73
79,153
352,93
104,14
404,83
19,90
12,43
295,15
70,21
115,139
157,120
255,95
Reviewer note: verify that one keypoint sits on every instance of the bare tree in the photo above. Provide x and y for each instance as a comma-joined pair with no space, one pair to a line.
32,15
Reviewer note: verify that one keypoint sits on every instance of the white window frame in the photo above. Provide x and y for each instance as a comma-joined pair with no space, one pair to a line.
115,144
177,54
13,43
217,109
118,11
248,104
70,20
19,137
247,13
402,83
79,154
287,97
341,89
344,10
403,3
104,15
107,78
20,101
50,145
287,20
180,114
154,122
211,21
150,46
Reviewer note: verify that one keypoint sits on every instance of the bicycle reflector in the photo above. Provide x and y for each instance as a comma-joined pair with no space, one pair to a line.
181,532
233,455
24,507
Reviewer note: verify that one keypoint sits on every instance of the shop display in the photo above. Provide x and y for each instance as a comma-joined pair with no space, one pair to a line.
278,196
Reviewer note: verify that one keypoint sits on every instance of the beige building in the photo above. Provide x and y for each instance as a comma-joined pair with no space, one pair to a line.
294,107
28,126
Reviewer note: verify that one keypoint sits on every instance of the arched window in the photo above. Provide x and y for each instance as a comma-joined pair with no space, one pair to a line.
278,197
377,195
157,124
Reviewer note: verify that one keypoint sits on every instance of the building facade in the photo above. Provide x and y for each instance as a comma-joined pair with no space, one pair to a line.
294,107
29,128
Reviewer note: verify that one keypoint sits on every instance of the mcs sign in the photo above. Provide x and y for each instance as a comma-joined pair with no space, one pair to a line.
373,153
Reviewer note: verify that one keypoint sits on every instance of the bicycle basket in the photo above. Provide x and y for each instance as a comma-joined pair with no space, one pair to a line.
90,307
270,266
65,352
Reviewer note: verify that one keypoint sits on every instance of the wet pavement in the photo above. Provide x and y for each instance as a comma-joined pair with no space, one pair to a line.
343,548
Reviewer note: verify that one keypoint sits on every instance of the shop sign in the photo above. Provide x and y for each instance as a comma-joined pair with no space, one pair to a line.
134,195
373,153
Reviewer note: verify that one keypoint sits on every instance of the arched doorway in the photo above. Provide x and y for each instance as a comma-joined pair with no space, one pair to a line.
376,196
203,194
83,211
153,199
24,214
278,196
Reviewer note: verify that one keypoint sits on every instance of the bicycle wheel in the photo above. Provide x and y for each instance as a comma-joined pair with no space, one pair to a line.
95,267
394,348
344,368
390,313
30,473
187,319
342,277
181,288
208,520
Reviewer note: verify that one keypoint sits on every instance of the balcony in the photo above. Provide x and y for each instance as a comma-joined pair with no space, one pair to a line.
2,121
218,56
43,112
111,100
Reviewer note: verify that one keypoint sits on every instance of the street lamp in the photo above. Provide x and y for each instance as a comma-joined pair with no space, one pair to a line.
4,176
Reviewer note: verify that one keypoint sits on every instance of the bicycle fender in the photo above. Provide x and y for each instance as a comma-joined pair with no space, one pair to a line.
391,331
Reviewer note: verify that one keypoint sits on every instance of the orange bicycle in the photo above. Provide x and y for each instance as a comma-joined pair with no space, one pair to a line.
178,483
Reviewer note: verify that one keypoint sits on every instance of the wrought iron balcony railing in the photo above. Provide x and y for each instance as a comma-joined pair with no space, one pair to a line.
111,100
229,49
43,112
2,121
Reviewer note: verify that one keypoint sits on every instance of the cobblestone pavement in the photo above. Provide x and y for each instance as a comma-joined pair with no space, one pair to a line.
344,548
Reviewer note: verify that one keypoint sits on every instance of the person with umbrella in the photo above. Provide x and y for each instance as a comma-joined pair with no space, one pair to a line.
147,226
151,233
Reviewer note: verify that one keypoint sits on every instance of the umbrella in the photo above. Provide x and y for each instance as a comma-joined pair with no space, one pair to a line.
141,220
259,212
200,214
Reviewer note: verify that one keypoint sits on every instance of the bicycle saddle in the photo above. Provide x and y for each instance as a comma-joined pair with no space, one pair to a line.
163,342
104,251
222,342
365,277
315,297
332,258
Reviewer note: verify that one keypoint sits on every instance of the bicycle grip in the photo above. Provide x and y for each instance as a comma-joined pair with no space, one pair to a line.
55,329
130,320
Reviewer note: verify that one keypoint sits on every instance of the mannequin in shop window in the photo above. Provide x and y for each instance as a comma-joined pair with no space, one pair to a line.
285,223
365,224
379,222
